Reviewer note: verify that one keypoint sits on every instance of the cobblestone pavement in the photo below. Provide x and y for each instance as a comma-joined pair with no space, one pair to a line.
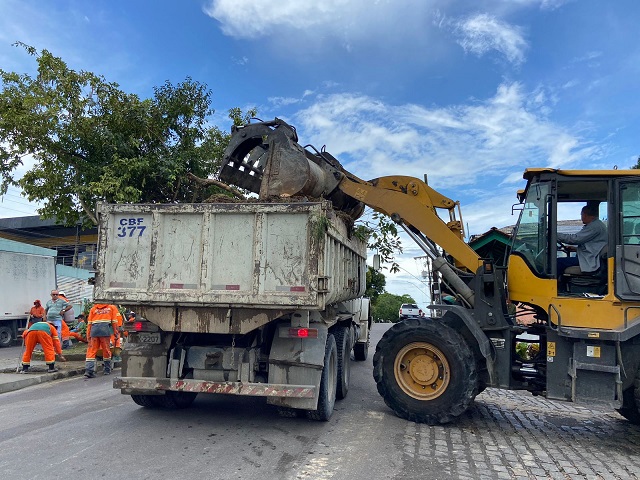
509,435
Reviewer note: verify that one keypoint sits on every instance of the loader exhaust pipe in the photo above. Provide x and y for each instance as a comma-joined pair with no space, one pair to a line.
265,158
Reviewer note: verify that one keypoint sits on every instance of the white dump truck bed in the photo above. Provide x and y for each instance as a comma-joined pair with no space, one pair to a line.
234,255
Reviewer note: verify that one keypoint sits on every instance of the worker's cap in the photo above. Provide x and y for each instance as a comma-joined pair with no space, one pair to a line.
37,302
60,292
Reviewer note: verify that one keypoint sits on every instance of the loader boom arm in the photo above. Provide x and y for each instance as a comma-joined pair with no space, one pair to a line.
266,159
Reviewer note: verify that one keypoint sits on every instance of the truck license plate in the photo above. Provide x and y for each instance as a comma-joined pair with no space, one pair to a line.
148,338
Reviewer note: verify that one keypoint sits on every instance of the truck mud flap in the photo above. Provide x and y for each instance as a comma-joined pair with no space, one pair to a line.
140,384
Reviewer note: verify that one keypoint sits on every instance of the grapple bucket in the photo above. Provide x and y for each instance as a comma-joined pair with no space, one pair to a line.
265,158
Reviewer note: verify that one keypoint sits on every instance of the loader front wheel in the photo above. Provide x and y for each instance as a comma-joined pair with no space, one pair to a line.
425,371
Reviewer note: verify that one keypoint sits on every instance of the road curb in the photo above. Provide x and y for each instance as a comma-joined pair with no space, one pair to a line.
30,379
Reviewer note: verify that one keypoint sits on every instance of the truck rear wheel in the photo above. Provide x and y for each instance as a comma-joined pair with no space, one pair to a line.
327,395
146,401
172,400
425,371
342,336
361,350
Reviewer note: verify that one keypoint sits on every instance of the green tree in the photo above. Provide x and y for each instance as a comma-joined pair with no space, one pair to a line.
637,165
376,282
387,306
93,142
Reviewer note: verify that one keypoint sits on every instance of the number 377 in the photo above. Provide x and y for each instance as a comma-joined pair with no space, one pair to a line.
131,230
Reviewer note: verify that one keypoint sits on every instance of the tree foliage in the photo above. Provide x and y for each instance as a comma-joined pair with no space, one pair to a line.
376,281
90,141
383,237
387,306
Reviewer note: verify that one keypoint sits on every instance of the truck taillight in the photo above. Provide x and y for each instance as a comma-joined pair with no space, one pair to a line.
140,326
303,332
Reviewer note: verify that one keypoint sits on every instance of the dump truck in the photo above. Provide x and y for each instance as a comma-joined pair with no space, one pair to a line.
585,324
252,298
27,273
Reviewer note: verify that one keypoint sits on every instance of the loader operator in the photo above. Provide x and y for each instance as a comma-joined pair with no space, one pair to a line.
45,334
588,242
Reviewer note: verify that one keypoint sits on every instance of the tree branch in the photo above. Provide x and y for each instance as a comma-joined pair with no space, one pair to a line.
88,211
217,183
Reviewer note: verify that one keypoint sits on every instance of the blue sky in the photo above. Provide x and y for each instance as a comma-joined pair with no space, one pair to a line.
469,92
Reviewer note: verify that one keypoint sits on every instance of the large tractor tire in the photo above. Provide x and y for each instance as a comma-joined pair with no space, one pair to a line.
425,371
631,402
327,395
342,336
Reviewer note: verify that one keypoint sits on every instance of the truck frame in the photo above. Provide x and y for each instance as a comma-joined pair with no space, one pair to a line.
259,299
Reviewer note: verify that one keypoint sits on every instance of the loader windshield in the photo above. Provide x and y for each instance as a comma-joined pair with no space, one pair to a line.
530,236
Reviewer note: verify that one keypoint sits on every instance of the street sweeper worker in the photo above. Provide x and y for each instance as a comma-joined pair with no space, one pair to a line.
101,324
36,314
45,334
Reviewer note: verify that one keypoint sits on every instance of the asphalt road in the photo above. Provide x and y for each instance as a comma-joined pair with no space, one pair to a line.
85,429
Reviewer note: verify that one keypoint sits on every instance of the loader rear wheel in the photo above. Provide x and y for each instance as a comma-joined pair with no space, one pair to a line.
342,336
146,401
631,402
425,371
327,394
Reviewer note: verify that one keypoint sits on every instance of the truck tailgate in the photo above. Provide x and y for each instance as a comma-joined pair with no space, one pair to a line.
258,255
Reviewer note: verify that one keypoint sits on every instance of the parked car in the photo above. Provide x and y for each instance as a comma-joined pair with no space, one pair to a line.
408,310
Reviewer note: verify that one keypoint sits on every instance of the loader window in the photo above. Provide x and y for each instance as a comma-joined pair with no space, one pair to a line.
631,214
627,260
530,239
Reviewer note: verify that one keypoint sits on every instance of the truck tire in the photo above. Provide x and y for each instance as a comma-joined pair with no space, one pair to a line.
342,336
631,402
361,350
146,401
175,400
6,339
425,371
327,395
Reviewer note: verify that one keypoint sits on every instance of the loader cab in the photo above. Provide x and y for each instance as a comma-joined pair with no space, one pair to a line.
551,204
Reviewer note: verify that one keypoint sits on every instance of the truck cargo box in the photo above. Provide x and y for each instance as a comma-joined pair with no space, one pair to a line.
204,259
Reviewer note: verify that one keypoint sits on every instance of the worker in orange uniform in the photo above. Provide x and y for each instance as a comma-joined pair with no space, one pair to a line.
101,324
67,334
36,314
116,341
45,334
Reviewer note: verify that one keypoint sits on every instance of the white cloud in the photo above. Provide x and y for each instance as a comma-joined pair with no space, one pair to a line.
255,18
482,33
282,101
457,145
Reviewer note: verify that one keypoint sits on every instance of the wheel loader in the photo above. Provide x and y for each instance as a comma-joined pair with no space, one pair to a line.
585,327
